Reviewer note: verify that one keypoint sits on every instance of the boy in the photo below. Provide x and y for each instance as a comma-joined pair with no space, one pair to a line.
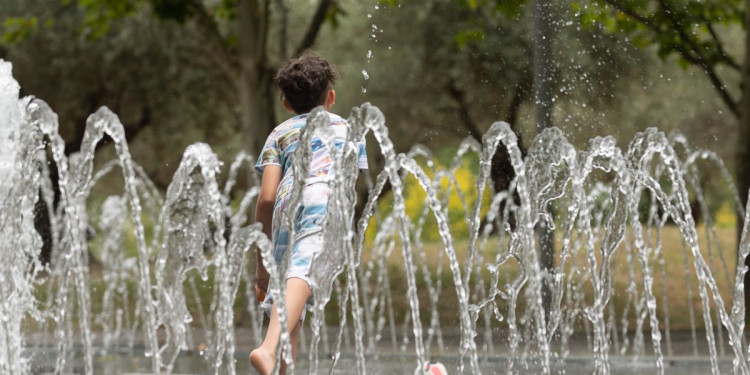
305,82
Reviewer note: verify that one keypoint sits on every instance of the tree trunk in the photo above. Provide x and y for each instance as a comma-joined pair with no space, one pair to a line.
256,105
743,146
255,78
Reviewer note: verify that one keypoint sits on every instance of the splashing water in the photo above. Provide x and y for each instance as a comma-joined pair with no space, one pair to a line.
478,294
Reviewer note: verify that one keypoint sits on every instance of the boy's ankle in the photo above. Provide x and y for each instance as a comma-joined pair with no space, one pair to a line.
262,360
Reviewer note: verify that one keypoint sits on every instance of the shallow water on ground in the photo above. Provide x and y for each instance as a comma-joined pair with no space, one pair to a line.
136,364
387,361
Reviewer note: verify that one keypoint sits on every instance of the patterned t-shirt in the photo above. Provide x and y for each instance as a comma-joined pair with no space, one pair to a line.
278,150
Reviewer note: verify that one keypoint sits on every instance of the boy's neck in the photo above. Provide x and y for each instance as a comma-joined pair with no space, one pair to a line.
325,108
329,101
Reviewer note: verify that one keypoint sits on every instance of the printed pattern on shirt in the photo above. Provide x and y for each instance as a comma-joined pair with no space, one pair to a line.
310,216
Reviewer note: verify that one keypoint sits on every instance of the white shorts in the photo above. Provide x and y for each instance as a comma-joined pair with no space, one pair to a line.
305,249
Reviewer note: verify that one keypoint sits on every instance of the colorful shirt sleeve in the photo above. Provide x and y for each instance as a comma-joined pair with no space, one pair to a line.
270,155
362,162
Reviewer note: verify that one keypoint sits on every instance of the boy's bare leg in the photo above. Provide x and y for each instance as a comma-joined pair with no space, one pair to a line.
294,338
263,358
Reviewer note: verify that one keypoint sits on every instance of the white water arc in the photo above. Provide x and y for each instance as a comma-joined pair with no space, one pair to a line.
609,208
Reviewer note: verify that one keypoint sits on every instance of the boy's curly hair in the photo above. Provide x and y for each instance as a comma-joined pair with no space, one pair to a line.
305,81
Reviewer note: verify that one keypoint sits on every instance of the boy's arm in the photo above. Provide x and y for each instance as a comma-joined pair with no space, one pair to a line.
264,215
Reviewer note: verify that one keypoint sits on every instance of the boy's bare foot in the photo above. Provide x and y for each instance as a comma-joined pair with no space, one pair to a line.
262,361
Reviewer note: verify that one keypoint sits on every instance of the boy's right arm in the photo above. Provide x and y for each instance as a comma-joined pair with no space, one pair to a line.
264,214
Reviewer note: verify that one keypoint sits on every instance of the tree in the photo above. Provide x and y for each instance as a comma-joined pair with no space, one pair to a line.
691,30
480,61
104,53
130,70
236,35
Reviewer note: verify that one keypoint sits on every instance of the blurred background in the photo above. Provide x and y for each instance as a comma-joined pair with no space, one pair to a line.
179,72
184,71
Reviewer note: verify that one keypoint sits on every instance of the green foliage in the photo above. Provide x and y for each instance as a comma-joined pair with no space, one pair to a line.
469,46
227,9
510,8
464,37
99,14
390,3
472,4
684,28
334,14
111,8
18,28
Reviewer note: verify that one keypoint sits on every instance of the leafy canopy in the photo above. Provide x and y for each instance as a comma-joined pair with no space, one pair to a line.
99,15
687,28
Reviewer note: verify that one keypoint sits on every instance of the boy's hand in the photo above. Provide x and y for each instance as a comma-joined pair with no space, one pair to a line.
259,294
261,283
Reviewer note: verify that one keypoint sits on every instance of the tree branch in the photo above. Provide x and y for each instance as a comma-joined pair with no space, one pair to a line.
691,55
650,24
718,84
314,28
704,63
633,14
726,58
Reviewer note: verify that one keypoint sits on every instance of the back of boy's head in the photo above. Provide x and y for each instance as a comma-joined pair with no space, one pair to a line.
305,81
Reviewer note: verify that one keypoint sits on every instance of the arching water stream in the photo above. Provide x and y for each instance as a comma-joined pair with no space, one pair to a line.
474,300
